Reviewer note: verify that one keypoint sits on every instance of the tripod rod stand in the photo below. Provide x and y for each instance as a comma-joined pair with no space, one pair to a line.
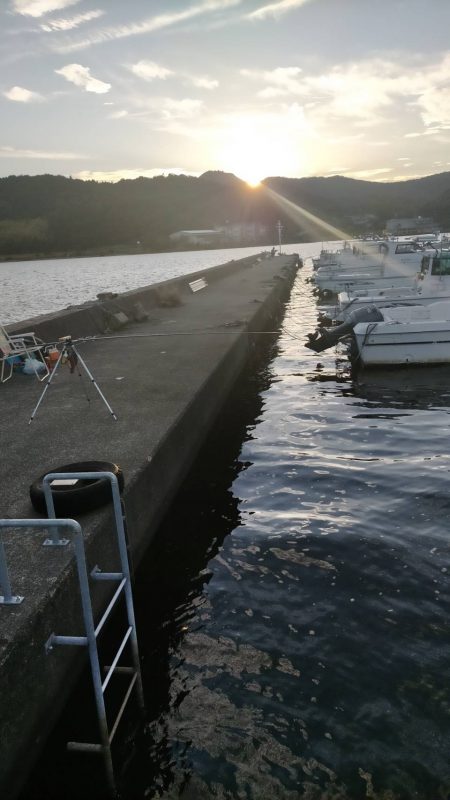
70,352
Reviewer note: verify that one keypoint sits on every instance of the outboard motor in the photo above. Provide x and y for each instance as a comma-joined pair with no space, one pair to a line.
328,337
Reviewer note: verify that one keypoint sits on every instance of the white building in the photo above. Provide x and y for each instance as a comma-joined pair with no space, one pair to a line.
200,237
410,226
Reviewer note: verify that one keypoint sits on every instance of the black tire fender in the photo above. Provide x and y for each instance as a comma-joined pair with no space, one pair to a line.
86,495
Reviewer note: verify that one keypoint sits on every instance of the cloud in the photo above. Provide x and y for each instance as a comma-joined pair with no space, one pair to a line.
130,174
21,95
37,8
204,83
410,177
435,106
368,173
167,114
71,23
276,9
148,70
180,109
118,114
81,76
282,81
336,171
13,152
366,91
425,132
149,25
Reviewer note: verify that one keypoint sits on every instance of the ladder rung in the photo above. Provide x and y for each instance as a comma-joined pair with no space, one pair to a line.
110,607
121,670
97,575
122,707
118,654
85,747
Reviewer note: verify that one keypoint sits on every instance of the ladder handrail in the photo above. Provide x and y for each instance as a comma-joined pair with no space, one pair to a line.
92,631
121,543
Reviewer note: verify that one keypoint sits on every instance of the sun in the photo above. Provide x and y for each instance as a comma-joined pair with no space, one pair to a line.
252,182
254,147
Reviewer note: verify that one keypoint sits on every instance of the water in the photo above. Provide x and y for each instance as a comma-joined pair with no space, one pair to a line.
294,611
30,288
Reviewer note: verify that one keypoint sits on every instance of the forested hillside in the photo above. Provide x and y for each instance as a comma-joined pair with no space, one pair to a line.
49,214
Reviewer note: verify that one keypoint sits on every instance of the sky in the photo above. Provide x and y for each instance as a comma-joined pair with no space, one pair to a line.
111,89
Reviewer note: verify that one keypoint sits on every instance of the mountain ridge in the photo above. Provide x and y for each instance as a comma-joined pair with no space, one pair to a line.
51,214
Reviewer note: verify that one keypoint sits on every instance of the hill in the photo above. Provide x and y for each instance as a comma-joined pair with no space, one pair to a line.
53,215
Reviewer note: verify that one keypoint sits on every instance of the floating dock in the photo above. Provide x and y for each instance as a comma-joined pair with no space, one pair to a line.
166,373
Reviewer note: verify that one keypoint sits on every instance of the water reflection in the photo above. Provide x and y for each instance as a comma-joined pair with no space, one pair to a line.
317,663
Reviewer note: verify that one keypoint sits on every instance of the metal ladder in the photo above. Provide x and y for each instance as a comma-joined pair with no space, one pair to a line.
92,631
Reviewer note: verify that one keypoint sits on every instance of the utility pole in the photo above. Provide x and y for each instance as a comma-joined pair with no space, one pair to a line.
279,229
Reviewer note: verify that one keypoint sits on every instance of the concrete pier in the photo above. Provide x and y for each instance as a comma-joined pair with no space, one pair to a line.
166,378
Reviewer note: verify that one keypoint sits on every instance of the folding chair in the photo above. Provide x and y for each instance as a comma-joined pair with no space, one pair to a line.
22,344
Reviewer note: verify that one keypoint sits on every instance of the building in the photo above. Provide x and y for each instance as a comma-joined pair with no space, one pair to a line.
235,233
411,226
244,232
199,237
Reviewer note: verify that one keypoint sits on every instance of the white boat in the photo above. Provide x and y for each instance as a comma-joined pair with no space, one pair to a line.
431,285
392,336
405,335
373,266
331,257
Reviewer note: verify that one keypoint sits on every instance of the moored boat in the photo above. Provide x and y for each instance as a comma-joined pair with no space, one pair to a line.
392,336
373,266
431,285
406,335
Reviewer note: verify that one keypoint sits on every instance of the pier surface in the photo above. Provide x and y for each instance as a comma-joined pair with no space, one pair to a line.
166,378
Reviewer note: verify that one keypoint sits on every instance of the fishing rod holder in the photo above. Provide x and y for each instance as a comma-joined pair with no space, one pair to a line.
69,353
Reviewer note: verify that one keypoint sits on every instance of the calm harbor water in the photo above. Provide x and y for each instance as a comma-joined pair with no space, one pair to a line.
30,288
294,612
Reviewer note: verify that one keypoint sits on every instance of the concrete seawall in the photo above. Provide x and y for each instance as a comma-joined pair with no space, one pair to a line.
166,379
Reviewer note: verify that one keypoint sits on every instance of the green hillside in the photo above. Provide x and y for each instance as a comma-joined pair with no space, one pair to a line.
52,215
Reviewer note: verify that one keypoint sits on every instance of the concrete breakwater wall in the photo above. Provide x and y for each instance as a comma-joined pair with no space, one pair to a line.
98,316
166,377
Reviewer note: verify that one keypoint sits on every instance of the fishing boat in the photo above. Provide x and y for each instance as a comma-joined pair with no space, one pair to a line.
405,335
414,334
332,258
373,267
431,285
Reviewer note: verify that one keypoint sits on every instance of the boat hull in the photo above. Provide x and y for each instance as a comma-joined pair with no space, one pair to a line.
341,313
352,283
391,343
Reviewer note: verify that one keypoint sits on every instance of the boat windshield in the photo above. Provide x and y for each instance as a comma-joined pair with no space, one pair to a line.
441,265
407,247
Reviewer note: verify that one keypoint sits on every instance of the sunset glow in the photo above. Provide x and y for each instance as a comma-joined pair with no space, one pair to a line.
261,145
269,96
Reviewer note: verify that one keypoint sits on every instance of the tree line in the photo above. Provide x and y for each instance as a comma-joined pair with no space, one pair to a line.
48,215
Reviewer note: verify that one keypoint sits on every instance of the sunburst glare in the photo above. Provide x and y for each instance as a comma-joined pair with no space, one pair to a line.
254,147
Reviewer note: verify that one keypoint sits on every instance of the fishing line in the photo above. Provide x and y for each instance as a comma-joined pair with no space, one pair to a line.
87,339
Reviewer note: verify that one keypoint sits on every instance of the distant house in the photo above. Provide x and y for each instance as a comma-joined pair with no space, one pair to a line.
244,231
230,233
200,237
410,226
